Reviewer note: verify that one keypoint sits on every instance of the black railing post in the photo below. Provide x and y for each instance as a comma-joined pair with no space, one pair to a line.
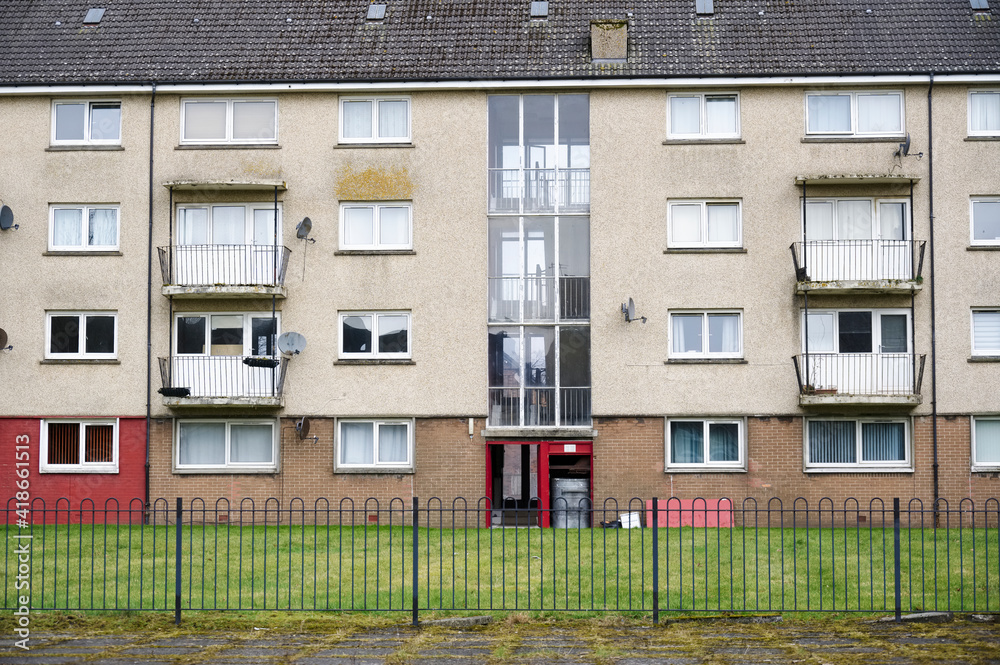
177,563
656,564
416,561
895,537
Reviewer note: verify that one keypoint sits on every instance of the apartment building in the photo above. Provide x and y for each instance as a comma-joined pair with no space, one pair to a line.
393,250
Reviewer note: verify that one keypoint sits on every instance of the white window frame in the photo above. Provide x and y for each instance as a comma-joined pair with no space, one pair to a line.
374,354
376,208
854,95
83,466
375,138
876,327
705,242
707,465
387,467
703,98
875,203
82,354
972,221
247,331
249,209
705,353
228,465
976,464
228,138
981,132
84,209
892,466
87,139
972,331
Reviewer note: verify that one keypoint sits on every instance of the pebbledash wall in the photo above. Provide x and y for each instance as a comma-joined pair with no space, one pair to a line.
72,496
628,463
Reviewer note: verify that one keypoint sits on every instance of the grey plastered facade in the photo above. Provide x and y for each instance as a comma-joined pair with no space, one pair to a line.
896,389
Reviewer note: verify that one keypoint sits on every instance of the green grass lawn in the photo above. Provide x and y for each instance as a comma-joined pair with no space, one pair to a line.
370,568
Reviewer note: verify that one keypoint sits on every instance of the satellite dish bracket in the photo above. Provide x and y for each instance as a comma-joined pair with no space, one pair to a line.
302,430
628,309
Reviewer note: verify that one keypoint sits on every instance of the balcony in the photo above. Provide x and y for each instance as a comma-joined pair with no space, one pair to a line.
222,381
858,266
231,271
864,379
539,191
540,407
539,298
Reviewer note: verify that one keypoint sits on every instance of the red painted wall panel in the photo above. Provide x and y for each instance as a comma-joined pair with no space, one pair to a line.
73,491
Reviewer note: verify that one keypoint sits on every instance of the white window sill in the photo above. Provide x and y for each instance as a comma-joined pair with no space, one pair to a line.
228,146
224,471
986,469
854,139
80,361
705,250
79,469
705,361
82,146
401,144
373,471
82,252
705,469
860,469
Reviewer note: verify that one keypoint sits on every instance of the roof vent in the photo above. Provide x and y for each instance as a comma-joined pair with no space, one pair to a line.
376,12
539,9
982,5
93,16
609,41
703,7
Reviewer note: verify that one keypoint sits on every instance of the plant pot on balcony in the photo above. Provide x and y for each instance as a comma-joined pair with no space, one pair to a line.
269,363
174,392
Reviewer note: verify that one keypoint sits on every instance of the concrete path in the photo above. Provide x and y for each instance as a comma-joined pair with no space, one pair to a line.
603,642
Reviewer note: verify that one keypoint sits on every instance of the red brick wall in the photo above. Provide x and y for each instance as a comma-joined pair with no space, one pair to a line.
45,489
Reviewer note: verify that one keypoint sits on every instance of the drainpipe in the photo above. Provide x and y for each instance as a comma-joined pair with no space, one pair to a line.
149,291
930,197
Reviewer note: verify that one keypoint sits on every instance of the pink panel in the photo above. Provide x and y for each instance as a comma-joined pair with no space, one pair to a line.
691,512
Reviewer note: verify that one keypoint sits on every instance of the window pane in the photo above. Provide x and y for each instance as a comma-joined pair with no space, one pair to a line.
686,329
540,357
832,442
986,220
229,225
723,442
191,334
892,221
854,220
64,443
687,442
250,444
102,227
105,122
99,444
574,356
65,334
357,443
192,226
227,335
685,223
539,131
723,333
392,119
879,114
262,336
504,131
358,226
100,334
357,334
721,115
986,332
985,111
819,221
894,338
392,334
202,443
829,113
205,121
357,120
883,442
392,444
855,332
574,131
723,223
263,227
987,441
70,122
66,227
821,333
685,115
394,226
504,357
254,120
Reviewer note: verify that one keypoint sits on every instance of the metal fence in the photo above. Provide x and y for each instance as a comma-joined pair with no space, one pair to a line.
411,556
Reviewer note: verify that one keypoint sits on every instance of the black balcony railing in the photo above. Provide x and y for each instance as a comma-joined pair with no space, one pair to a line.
860,374
232,377
223,265
858,260
532,298
537,407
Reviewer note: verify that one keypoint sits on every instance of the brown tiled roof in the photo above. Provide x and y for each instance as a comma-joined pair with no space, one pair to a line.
45,41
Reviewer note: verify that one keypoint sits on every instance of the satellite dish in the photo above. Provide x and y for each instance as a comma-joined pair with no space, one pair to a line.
291,343
3,341
302,428
628,309
904,147
303,229
6,218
